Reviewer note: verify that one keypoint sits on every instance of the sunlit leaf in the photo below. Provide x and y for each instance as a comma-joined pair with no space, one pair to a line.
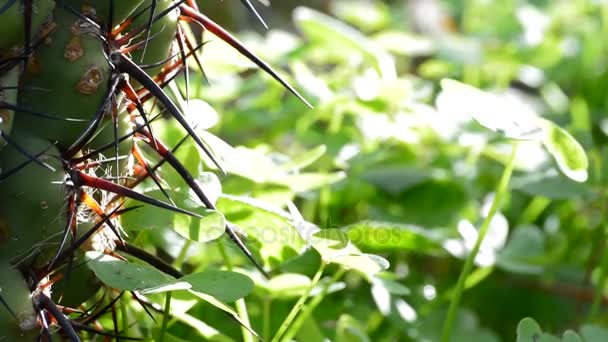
567,152
506,116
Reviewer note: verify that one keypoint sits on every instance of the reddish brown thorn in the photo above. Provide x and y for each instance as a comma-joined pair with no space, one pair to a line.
148,171
114,254
121,28
50,282
94,205
253,11
192,4
132,96
192,50
149,27
143,305
170,158
82,179
224,35
181,44
69,251
124,64
93,317
69,310
150,259
70,226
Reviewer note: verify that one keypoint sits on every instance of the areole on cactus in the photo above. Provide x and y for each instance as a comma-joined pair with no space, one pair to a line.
77,79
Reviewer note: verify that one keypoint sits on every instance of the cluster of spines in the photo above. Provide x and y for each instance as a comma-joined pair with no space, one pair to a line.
76,158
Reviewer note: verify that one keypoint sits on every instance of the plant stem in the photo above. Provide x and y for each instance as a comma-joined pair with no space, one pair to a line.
299,304
310,307
179,261
241,309
469,262
266,330
241,306
123,311
166,317
601,285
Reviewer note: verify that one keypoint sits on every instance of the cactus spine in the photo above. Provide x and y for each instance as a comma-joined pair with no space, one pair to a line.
73,88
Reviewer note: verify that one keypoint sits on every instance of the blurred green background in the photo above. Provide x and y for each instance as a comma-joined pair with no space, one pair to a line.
408,170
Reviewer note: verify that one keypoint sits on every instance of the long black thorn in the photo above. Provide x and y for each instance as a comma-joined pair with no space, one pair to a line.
127,66
140,12
224,35
86,236
109,145
85,18
241,245
253,11
156,181
68,225
136,46
173,150
93,317
83,327
115,127
69,251
27,30
196,58
110,23
25,87
113,229
7,5
45,327
46,303
7,307
94,306
149,28
8,63
81,179
143,306
151,259
168,10
115,322
157,17
17,168
96,121
190,181
24,152
10,106
182,51
138,106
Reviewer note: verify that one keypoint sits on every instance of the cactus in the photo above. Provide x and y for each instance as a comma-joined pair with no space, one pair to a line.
76,81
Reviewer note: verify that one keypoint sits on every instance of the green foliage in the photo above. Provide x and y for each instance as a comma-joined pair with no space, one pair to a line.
421,156
449,182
